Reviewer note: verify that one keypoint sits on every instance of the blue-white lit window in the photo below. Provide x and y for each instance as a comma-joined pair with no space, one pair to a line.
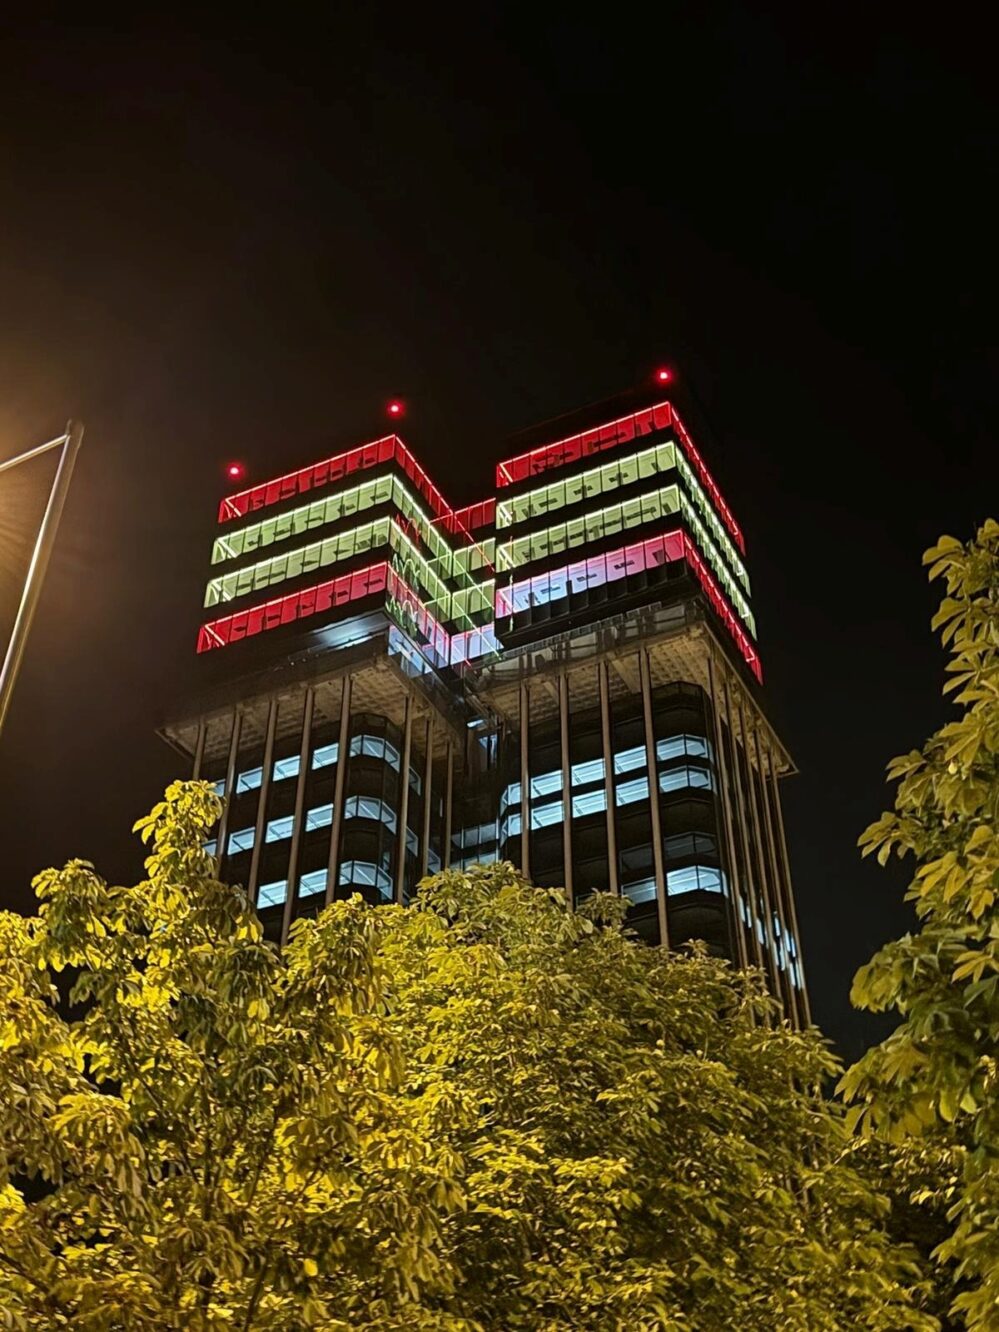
643,891
279,829
249,780
312,883
363,874
272,894
695,878
241,840
323,756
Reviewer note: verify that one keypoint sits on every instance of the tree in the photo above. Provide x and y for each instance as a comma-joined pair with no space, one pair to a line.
483,1111
936,1075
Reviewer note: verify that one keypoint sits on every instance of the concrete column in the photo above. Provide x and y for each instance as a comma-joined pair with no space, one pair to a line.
775,878
199,751
655,822
428,775
230,783
263,791
773,965
613,879
804,1005
525,779
742,825
448,798
403,813
339,787
296,827
724,779
563,732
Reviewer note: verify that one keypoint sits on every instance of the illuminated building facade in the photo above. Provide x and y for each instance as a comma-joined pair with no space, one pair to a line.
401,686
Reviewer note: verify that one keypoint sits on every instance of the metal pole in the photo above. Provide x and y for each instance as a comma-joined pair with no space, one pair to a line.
525,780
448,797
265,789
339,785
407,749
613,881
806,1008
725,819
291,896
230,782
428,776
199,751
563,732
44,542
792,998
654,820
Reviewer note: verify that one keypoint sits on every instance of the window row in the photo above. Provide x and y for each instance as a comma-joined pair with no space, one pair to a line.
389,449
722,572
318,600
625,760
321,816
320,513
319,554
564,451
323,756
588,528
586,485
583,575
688,776
690,879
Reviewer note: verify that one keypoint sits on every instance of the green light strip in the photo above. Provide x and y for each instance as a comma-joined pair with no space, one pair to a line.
611,476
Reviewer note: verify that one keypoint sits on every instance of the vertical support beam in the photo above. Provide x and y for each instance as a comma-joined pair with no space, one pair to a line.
742,823
339,786
613,879
805,1006
263,794
428,776
403,814
448,798
291,895
230,782
775,879
773,966
199,751
524,719
655,821
563,735
725,819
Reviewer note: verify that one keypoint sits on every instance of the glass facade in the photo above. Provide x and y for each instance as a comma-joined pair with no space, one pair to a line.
563,675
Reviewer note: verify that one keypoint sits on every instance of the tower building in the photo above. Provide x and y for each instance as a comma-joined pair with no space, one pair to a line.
564,675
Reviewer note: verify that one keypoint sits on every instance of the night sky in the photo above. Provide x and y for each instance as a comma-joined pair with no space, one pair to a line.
239,243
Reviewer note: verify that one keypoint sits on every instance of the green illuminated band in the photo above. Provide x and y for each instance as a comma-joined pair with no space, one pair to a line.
332,550
611,476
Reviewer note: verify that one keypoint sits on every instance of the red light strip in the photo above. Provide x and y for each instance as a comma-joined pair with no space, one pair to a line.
388,448
340,592
621,431
295,606
653,552
721,605
708,481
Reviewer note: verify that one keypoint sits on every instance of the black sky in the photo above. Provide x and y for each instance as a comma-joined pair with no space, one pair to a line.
239,242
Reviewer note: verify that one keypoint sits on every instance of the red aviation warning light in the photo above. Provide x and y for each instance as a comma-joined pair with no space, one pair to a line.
396,408
664,375
235,471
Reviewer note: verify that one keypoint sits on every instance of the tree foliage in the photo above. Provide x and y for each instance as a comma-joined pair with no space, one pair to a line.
936,1075
480,1112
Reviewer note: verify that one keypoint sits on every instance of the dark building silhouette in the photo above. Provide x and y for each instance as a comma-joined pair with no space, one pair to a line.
398,686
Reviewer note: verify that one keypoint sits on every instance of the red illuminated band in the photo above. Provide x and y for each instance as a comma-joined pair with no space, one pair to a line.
295,606
621,431
337,592
639,557
388,449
